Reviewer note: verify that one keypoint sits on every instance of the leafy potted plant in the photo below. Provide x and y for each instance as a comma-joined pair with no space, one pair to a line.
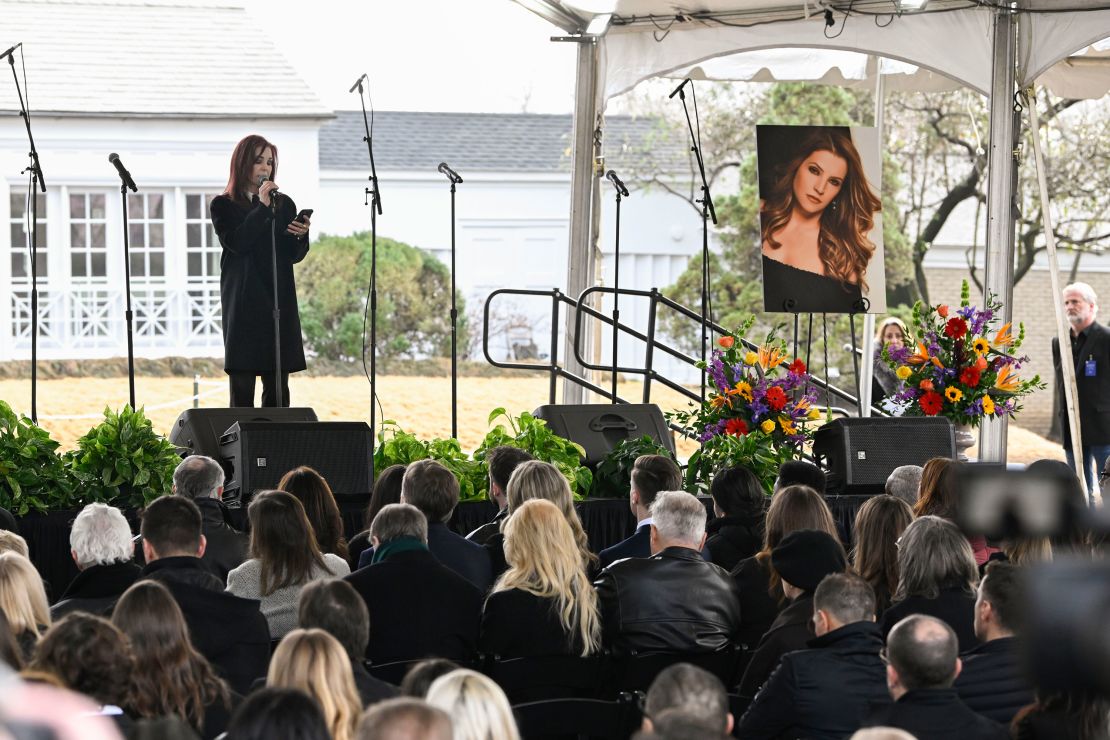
402,448
533,435
33,477
614,473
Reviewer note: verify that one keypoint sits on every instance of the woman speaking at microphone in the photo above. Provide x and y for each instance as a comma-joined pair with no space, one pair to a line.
244,216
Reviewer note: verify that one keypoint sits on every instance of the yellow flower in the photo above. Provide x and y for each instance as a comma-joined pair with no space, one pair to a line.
988,406
814,413
767,426
903,372
787,425
953,394
1006,380
751,358
743,389
980,345
1003,337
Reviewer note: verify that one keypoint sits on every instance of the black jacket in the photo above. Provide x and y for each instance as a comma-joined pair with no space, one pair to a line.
517,624
673,601
371,690
992,682
636,546
1093,392
733,538
227,547
791,630
935,714
758,608
467,559
230,631
481,535
823,692
246,284
954,606
96,589
419,608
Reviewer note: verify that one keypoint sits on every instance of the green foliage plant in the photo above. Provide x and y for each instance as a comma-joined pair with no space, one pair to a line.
32,475
534,436
614,473
401,448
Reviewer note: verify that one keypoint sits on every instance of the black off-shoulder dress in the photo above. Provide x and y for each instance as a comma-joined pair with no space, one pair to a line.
788,289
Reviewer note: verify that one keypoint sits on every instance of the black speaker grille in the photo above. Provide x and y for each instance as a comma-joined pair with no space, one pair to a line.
860,454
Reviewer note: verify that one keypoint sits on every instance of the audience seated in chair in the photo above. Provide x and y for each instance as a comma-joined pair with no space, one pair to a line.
387,490
544,604
316,496
434,490
502,461
271,713
314,662
922,664
229,631
405,719
692,693
673,601
201,480
284,557
418,607
826,690
992,681
802,559
738,504
476,705
100,545
423,674
904,482
879,524
650,475
335,607
800,473
23,601
937,576
939,497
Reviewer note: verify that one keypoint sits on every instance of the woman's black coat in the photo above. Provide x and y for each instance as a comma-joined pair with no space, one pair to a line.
246,284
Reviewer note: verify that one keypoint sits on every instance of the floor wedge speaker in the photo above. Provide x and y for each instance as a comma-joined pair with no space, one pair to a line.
599,427
859,454
198,431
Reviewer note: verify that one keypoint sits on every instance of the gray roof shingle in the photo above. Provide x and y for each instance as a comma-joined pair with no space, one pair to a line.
149,58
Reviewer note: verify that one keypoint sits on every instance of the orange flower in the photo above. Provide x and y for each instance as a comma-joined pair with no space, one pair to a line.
769,356
925,385
920,357
726,342
936,361
720,402
942,310
1003,338
743,389
981,364
1007,381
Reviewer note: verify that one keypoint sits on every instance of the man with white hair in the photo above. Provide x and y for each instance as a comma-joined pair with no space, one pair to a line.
673,601
100,544
1090,356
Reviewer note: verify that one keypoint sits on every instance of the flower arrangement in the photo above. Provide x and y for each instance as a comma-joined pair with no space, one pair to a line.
755,413
962,365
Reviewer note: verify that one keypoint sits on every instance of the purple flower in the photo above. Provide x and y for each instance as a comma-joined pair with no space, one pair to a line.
899,354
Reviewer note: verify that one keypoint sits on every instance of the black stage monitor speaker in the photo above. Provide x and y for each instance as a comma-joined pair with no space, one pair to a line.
599,427
259,453
860,454
198,431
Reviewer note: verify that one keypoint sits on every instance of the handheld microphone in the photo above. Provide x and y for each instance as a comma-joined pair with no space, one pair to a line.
612,177
9,51
678,89
358,83
451,174
123,173
273,193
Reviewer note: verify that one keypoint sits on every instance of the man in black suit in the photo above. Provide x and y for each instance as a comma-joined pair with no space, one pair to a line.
230,631
1090,355
419,608
650,475
922,664
673,601
502,461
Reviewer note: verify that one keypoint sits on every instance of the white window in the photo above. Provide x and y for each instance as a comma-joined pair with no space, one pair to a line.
88,243
20,235
146,217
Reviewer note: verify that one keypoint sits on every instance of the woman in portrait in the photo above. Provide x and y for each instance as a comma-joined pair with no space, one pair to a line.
814,223
244,217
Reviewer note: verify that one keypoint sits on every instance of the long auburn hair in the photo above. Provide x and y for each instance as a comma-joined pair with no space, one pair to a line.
316,496
793,508
879,524
936,496
282,540
534,479
544,561
314,662
242,160
169,676
842,244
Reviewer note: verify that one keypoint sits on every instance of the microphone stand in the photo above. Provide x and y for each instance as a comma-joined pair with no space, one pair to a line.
279,396
454,179
707,212
616,277
128,314
375,202
34,170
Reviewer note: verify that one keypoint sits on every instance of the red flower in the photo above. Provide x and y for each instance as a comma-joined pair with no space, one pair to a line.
797,367
776,398
969,376
736,427
931,403
955,328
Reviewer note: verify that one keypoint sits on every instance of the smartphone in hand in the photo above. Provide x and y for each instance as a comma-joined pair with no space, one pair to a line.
305,213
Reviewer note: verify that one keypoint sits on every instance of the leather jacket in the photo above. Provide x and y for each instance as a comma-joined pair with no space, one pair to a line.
673,601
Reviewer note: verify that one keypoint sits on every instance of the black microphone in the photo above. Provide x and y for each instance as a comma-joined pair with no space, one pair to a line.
273,193
357,82
123,173
9,51
612,177
679,88
451,174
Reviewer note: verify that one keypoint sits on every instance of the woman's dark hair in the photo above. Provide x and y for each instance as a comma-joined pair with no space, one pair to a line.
422,675
879,523
88,655
737,492
315,495
170,676
242,160
937,495
1087,712
842,244
271,713
9,648
283,541
387,490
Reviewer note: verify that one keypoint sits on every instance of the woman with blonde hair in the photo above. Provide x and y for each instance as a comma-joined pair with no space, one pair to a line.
170,677
23,601
879,523
478,708
543,604
314,662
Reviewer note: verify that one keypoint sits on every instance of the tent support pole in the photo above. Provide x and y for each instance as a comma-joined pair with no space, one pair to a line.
867,364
